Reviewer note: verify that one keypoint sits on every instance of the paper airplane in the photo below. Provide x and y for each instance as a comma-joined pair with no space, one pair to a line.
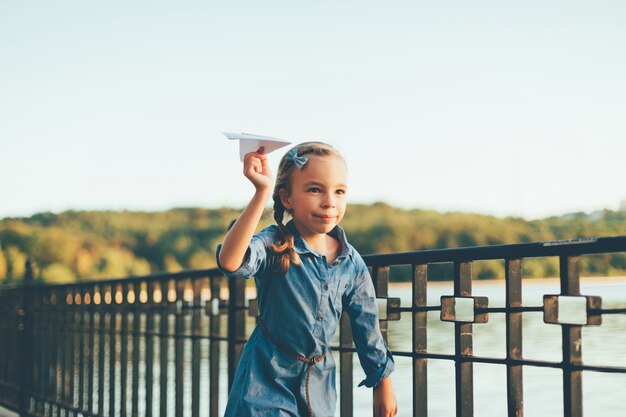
251,143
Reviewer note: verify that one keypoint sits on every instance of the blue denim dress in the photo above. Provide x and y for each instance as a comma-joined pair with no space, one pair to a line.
301,310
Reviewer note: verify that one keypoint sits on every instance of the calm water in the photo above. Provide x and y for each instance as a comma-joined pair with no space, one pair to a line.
603,345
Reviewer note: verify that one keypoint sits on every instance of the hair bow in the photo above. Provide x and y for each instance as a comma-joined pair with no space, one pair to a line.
298,161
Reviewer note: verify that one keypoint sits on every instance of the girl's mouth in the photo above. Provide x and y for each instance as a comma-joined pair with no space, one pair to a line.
326,218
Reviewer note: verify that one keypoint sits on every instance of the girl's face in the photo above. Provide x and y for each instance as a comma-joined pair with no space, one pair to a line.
317,200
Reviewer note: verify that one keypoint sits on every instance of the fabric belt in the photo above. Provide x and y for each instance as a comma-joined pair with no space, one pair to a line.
311,362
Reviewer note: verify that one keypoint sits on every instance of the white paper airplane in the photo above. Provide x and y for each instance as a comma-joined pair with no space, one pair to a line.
251,143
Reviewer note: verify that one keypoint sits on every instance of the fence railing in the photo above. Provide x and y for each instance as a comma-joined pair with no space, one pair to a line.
156,345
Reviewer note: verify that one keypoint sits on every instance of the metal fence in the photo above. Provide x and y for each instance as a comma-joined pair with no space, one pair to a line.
155,345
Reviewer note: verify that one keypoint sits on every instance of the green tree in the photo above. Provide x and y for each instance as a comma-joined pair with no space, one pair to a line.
202,259
57,273
4,269
16,260
97,244
171,264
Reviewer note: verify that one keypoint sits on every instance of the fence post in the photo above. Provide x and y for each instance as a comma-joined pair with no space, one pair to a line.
236,324
25,343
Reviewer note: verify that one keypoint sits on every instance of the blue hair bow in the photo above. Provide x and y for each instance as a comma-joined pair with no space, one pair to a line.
298,161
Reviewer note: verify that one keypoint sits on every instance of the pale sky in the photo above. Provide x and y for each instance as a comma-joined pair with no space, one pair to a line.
496,107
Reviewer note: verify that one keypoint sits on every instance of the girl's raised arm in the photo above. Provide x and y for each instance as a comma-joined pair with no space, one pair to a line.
256,168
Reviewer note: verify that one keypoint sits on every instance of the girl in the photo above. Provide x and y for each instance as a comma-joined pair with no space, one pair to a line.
306,274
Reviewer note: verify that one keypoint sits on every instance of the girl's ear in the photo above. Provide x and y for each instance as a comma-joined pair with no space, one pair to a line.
284,198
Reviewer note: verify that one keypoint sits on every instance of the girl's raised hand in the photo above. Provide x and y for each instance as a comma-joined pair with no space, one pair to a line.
257,169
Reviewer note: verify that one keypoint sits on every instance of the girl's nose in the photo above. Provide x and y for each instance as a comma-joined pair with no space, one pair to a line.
329,201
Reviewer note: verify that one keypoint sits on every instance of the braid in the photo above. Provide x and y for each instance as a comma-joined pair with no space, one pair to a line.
284,245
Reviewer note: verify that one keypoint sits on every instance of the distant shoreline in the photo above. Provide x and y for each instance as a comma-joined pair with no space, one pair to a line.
532,281
251,289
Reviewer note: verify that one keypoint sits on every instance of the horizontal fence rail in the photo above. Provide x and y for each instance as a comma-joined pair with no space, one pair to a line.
168,344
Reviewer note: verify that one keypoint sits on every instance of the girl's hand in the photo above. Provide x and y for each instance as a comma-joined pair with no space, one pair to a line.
385,399
257,169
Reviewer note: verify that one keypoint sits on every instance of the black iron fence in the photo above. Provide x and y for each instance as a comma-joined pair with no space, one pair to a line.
158,345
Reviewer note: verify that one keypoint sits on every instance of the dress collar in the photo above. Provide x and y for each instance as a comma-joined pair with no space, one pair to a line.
301,247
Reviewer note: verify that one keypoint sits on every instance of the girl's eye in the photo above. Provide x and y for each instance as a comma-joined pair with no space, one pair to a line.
314,190
341,191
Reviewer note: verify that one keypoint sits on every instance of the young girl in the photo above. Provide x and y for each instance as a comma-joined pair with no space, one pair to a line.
306,274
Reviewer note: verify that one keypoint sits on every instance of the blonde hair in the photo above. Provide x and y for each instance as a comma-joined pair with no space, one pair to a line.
285,242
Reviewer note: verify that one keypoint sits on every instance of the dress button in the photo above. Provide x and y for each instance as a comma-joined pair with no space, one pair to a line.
320,318
346,286
335,263
325,287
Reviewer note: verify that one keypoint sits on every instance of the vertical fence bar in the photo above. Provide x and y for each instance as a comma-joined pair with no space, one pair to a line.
112,352
122,301
345,364
236,324
420,335
49,352
101,336
380,276
214,346
58,351
572,341
26,341
515,380
5,317
150,340
70,337
463,345
63,353
81,334
55,350
196,326
179,337
79,382
90,310
47,333
38,359
137,311
12,334
164,350
77,352
16,337
7,351
10,328
44,351
64,342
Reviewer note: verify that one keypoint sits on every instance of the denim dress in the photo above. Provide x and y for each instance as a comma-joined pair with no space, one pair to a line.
301,311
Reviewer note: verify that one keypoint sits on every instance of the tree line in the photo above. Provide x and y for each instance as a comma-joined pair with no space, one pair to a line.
83,245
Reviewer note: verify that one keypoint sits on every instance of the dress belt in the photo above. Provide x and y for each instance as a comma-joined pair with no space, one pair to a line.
311,362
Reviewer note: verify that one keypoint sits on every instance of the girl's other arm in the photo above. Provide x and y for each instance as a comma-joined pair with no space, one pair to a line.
385,399
256,169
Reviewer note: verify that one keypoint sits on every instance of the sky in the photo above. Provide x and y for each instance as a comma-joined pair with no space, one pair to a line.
508,108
